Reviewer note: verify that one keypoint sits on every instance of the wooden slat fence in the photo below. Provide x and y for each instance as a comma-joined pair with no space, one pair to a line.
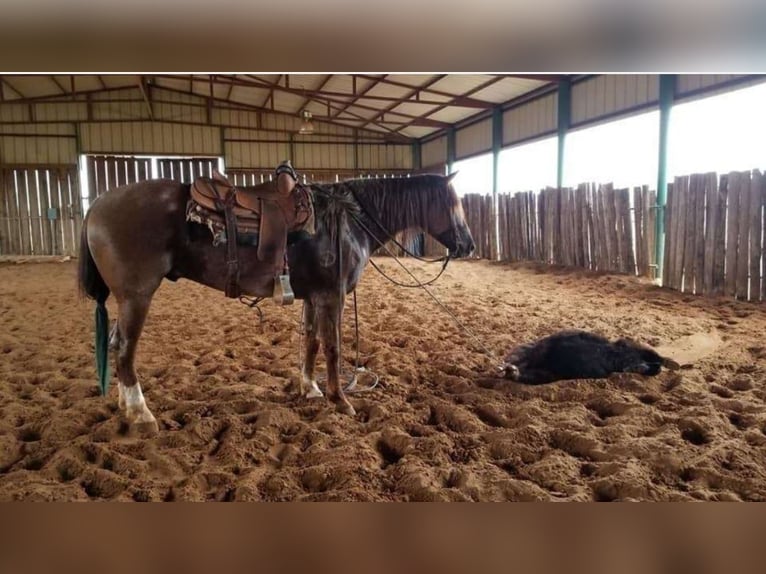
479,213
186,169
714,231
714,235
40,210
590,226
106,172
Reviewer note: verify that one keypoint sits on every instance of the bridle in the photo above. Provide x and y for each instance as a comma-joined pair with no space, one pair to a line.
390,237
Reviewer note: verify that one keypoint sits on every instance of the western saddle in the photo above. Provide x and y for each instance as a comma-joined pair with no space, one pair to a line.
262,215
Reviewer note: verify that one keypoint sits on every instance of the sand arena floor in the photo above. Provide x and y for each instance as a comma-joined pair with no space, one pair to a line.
439,427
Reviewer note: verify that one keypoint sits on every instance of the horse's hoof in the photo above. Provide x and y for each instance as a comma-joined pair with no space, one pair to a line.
345,408
145,428
310,390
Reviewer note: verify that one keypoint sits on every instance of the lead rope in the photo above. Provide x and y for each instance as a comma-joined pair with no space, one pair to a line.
351,386
424,286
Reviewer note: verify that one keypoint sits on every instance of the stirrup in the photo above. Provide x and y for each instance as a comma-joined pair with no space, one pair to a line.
283,292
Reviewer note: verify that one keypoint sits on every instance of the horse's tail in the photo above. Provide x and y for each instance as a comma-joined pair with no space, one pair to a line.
93,285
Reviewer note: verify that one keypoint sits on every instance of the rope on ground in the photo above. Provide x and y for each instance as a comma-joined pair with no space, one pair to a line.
424,286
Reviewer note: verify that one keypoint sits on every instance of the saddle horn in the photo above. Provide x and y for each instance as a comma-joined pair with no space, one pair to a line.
286,178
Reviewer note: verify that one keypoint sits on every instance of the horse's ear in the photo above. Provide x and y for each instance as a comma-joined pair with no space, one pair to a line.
670,364
451,176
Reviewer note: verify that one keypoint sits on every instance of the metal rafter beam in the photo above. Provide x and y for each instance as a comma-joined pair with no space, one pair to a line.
58,85
472,91
540,77
143,86
361,120
270,95
413,91
374,83
320,92
357,118
307,99
323,99
457,100
13,89
254,108
56,98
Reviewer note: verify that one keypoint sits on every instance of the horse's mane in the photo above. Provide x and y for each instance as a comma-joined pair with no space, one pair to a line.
403,202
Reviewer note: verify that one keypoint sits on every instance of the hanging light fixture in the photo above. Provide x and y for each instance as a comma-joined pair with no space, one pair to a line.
307,127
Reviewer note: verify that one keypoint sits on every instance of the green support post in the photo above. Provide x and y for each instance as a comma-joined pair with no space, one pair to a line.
497,144
417,160
667,92
450,149
356,153
564,120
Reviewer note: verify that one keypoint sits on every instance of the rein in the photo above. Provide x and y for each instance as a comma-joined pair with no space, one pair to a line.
418,283
388,234
390,237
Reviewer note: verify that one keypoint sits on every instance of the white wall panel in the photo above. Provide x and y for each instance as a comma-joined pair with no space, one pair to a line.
238,133
382,157
65,111
434,152
239,118
39,129
611,94
255,155
119,110
327,156
37,150
150,138
473,139
703,85
173,106
537,117
14,113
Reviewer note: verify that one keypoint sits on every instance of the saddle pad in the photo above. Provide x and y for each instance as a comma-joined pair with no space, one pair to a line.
216,222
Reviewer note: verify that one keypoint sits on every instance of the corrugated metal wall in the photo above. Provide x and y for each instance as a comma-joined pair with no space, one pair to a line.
255,155
47,133
121,122
610,95
535,118
593,99
324,156
40,144
473,139
156,138
702,85
434,152
382,157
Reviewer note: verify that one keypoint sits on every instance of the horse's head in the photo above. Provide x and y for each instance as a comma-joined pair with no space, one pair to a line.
632,357
447,222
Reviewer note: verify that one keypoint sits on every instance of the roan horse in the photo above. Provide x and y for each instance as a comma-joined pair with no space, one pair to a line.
135,236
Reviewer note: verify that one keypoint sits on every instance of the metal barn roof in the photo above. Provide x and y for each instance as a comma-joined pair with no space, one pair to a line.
399,105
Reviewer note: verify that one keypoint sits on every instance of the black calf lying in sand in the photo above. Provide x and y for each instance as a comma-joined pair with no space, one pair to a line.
581,355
